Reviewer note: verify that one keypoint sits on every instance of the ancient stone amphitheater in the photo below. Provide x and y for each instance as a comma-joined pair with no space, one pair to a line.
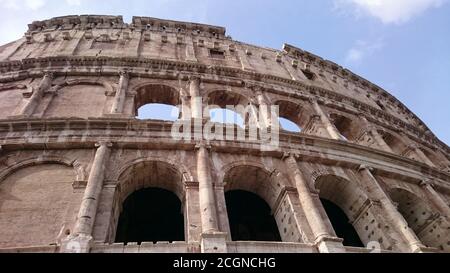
79,172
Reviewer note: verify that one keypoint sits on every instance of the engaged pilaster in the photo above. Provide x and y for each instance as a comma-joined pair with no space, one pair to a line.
37,95
82,237
213,241
395,219
196,99
372,130
414,148
119,100
324,238
331,129
435,198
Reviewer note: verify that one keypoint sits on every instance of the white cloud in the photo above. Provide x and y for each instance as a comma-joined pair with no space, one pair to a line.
73,2
390,11
363,49
34,4
21,4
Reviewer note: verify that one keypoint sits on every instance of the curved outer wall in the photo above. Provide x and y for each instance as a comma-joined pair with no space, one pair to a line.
72,149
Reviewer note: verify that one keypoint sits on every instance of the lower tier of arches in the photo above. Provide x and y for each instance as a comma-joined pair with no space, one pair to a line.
152,200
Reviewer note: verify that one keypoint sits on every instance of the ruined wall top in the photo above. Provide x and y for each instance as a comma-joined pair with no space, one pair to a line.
89,40
83,22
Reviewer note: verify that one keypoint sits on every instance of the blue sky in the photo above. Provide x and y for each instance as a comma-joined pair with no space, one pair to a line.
401,45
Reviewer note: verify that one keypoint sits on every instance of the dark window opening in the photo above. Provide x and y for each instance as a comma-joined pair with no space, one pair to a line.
308,74
381,105
341,224
217,54
151,215
250,218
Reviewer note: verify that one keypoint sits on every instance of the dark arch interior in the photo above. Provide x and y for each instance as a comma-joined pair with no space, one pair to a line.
344,126
341,224
151,215
250,218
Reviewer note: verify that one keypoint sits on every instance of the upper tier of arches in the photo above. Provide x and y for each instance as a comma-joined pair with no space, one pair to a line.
53,97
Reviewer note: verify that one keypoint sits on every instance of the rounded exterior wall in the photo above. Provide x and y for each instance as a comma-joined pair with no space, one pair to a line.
72,149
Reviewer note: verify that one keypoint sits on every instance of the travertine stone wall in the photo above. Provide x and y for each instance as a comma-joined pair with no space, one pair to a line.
72,150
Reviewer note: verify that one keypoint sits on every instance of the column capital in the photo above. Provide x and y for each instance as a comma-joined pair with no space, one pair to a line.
108,144
412,146
195,78
425,183
365,167
257,89
49,74
315,117
124,73
191,184
362,116
204,145
288,155
313,100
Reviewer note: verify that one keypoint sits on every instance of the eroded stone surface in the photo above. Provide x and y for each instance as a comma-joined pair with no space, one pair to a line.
72,149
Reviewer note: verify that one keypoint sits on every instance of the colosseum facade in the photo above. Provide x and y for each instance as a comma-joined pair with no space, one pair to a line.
79,172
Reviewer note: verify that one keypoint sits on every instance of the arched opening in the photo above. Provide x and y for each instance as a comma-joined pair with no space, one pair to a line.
250,218
293,117
341,224
346,127
226,116
438,161
343,203
156,111
251,198
395,143
149,204
421,218
289,126
227,108
157,102
151,215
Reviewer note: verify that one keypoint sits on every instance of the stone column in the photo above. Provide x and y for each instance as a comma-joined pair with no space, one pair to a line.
82,235
324,238
374,132
213,241
331,129
196,100
119,100
435,198
37,95
395,219
191,209
264,111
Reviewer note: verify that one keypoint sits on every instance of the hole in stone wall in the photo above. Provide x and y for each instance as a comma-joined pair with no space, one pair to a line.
308,74
382,107
226,116
343,125
341,225
151,215
289,126
158,102
250,218
216,54
156,111
293,117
